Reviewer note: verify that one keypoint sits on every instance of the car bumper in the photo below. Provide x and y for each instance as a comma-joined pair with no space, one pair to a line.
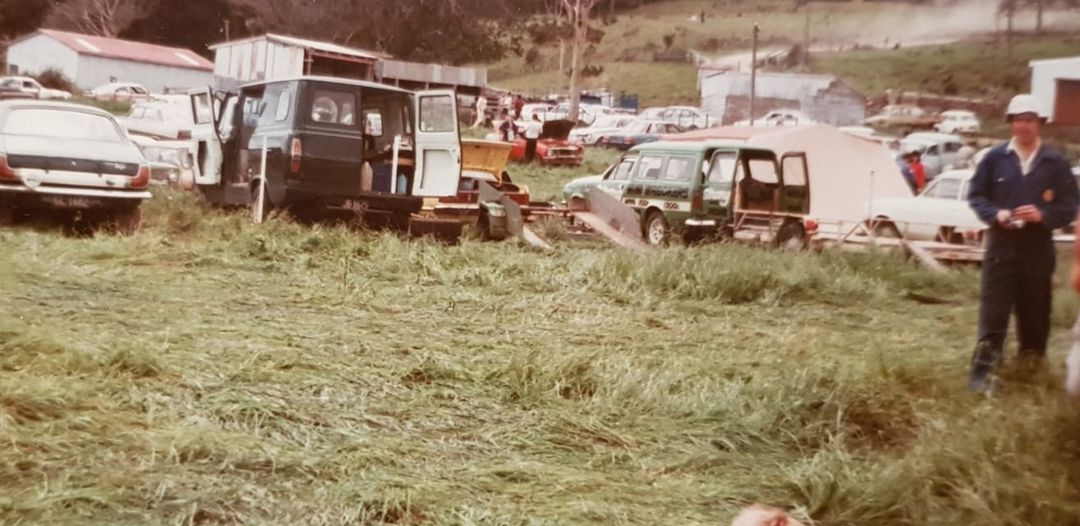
19,189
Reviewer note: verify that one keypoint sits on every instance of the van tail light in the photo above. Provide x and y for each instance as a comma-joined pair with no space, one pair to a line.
698,200
142,178
810,225
6,172
296,152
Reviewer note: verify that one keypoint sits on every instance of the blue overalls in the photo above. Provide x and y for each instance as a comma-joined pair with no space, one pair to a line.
1018,263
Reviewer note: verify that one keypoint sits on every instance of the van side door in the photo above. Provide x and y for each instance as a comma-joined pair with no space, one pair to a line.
717,188
795,183
438,145
206,144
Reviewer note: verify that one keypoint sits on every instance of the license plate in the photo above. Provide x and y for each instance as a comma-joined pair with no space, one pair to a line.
356,206
71,202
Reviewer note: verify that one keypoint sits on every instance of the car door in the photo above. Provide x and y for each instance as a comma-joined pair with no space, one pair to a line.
616,180
205,139
794,183
438,145
932,161
717,187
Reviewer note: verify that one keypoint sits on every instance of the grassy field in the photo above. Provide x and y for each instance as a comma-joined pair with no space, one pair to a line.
208,370
632,38
978,68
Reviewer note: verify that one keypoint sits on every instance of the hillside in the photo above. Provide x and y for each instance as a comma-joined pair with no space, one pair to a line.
630,41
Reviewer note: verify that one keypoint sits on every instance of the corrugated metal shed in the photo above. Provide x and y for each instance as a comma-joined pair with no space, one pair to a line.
431,74
824,98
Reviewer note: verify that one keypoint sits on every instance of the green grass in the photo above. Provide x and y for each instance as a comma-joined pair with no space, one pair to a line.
208,370
978,68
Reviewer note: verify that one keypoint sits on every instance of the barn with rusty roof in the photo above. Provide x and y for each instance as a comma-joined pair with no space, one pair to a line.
91,61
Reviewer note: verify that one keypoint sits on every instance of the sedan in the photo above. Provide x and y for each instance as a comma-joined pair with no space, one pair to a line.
639,132
603,125
941,212
120,91
69,158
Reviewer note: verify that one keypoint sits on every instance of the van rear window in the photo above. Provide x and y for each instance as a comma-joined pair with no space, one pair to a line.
333,107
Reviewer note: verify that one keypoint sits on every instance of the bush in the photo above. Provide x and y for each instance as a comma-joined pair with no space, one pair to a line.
532,56
55,79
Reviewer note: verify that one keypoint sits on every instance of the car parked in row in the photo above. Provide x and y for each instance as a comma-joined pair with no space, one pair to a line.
776,118
638,132
119,92
165,117
958,121
687,117
32,88
938,150
940,213
603,125
71,159
902,116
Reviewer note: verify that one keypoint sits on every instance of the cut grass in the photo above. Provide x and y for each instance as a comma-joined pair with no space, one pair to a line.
208,370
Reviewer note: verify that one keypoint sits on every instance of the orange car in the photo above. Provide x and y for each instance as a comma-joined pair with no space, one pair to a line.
554,146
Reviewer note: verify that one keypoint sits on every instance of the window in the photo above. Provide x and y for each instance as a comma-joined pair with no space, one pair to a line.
284,104
138,112
680,169
437,114
623,169
933,150
650,168
373,122
953,147
62,124
723,168
763,170
945,189
333,107
201,104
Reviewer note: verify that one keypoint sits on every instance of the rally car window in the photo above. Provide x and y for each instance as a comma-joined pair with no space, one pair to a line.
623,169
649,169
679,169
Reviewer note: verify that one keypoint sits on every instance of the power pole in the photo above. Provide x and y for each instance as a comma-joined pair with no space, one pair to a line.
753,74
806,38
227,30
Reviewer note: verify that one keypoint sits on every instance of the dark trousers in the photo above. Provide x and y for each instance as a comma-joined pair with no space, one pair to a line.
530,150
1017,281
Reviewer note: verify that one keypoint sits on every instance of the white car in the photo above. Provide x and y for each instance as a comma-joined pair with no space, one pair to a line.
958,121
603,125
32,87
120,91
687,117
941,212
779,118
939,150
164,118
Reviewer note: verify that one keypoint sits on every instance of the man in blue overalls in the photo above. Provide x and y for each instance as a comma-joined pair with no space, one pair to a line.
1023,191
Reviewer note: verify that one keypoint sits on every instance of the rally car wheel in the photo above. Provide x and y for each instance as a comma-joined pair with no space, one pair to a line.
656,229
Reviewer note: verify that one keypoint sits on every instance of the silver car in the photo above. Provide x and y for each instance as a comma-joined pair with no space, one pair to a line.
72,159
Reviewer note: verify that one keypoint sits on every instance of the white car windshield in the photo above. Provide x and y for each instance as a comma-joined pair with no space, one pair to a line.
62,124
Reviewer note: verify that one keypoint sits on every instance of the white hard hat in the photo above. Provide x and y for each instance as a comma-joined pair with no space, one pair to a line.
1024,103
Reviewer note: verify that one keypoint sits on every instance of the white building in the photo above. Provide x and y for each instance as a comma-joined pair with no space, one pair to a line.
1056,84
725,94
91,61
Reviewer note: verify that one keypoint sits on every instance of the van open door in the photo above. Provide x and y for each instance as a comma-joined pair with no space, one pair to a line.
206,145
795,178
438,145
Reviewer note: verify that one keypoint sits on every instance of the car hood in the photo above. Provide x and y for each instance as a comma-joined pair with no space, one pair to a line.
557,129
126,152
485,156
581,184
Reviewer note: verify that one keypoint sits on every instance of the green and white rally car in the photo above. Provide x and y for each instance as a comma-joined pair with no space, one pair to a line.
709,189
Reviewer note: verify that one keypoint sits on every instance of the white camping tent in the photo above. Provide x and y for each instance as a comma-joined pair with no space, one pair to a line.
846,172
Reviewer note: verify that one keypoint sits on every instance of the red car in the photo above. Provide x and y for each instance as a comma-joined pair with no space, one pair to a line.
554,146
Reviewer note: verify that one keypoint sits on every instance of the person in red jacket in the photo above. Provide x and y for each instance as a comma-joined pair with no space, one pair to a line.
918,170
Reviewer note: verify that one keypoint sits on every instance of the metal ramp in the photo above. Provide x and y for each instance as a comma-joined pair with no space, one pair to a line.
515,220
610,218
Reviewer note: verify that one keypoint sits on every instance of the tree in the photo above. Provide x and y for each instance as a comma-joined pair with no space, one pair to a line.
105,18
21,16
183,23
577,13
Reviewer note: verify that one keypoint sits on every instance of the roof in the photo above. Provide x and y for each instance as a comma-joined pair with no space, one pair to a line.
689,146
325,47
432,73
332,80
1058,60
48,104
128,50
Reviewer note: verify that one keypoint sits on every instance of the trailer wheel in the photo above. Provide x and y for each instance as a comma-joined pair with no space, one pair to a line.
791,236
886,229
656,229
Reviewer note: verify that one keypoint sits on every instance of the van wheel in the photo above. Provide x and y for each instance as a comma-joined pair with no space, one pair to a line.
126,221
656,229
791,236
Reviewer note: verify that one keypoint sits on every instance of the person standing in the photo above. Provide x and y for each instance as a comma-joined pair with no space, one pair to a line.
519,104
918,170
532,135
1023,191
506,126
481,111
